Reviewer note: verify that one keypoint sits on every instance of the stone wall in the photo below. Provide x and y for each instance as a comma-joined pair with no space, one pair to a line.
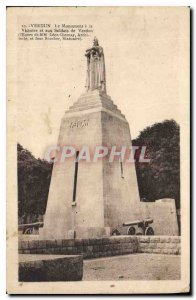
89,248
159,245
102,247
163,213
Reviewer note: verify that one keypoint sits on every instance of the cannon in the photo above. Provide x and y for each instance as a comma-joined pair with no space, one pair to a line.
32,228
142,228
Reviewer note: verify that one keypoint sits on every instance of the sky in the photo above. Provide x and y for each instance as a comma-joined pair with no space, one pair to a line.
146,55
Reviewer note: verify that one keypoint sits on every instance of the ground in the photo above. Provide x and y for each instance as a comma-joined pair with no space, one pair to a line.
133,267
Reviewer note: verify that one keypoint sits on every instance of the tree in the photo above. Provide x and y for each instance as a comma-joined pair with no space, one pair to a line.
33,183
161,177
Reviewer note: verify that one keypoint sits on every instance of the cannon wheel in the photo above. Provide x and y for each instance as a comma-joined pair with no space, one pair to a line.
115,232
29,231
131,230
149,231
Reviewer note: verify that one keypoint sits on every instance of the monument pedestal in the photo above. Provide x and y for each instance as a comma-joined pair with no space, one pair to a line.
87,198
91,199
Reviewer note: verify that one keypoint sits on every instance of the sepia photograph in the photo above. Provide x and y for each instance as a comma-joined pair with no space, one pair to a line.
98,126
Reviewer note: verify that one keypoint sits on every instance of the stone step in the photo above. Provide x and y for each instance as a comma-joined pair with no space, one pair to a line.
86,103
79,106
92,100
116,111
36,267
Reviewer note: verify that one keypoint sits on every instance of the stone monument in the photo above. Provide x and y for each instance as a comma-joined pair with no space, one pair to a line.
92,199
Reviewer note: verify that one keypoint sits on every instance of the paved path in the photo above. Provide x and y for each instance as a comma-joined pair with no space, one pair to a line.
133,267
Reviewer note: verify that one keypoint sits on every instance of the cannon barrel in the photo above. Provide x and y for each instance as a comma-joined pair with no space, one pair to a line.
148,221
40,224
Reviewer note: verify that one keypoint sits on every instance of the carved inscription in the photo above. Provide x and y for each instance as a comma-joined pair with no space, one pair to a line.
79,124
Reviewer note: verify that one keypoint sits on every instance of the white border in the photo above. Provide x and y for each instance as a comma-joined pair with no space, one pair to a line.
3,5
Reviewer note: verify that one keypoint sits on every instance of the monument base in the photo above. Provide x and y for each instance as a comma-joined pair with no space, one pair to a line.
80,232
87,197
93,232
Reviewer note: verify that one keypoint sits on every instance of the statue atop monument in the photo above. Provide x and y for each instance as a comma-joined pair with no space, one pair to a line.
95,79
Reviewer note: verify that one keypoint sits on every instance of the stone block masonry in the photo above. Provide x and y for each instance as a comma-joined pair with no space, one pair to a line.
50,267
103,247
159,245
